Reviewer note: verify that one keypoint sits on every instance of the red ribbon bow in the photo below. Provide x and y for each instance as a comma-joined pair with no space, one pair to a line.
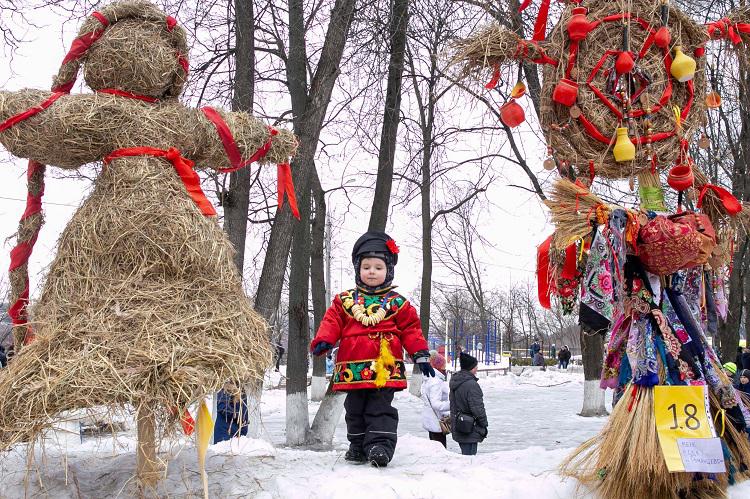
724,28
183,167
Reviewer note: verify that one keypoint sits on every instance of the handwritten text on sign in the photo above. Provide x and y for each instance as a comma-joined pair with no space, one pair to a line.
681,412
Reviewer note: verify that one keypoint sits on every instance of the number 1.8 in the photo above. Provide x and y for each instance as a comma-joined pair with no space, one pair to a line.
690,410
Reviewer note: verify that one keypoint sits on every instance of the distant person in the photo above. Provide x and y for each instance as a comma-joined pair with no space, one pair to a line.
468,417
534,348
279,353
730,369
552,351
744,384
738,357
435,395
745,359
231,413
3,357
329,363
563,357
538,360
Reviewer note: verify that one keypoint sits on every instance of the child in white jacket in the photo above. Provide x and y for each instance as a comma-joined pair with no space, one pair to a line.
435,393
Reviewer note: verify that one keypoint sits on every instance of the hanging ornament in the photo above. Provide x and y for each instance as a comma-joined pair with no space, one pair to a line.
518,90
624,149
631,183
663,37
575,112
549,164
579,25
566,92
683,66
512,114
713,100
704,142
680,177
624,63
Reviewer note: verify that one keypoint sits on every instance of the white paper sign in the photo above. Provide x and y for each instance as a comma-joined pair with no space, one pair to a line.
702,454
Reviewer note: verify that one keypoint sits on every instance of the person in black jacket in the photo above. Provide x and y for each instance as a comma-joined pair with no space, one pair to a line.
466,402
563,357
3,358
745,359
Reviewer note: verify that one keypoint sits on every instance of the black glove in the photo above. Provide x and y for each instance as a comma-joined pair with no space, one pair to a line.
422,359
321,347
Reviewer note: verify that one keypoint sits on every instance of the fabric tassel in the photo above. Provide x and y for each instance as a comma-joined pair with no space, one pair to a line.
385,361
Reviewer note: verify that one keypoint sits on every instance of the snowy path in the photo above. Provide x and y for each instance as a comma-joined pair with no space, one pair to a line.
531,430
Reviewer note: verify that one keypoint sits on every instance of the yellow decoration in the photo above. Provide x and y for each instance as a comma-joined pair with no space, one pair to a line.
205,427
624,149
677,117
385,361
680,412
518,91
683,66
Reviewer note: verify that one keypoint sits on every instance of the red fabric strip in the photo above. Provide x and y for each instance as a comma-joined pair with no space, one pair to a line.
540,25
14,120
183,167
183,62
188,423
123,93
171,23
81,44
495,78
524,5
543,278
285,185
227,140
731,204
570,269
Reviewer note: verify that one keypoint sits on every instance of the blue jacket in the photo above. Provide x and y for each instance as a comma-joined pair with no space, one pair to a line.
231,417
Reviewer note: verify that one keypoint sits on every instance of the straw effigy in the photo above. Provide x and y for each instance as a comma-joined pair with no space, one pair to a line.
142,305
569,139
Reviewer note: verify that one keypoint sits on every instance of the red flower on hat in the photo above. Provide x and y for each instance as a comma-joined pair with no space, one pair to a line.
392,247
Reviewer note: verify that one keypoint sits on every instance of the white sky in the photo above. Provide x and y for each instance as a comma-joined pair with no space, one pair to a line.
514,223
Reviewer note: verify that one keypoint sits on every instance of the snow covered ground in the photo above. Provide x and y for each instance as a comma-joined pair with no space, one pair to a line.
533,425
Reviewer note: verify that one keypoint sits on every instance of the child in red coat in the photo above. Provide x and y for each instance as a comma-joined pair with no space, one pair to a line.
374,324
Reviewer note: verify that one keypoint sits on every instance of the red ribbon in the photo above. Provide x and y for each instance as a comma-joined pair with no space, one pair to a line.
495,78
731,204
570,268
183,167
129,95
543,277
724,28
540,25
15,119
284,171
285,185
79,47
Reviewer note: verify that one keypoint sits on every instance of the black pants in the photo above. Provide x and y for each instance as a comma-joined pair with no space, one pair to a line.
468,449
371,420
439,437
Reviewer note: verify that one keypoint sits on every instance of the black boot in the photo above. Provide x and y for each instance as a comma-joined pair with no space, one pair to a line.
378,457
355,456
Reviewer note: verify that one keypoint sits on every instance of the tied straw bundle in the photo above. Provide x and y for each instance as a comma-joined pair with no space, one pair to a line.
573,208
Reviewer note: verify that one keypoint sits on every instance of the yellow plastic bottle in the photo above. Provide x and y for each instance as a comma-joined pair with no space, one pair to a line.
624,149
683,66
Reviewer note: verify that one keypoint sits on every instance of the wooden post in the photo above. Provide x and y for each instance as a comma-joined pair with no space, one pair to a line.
147,465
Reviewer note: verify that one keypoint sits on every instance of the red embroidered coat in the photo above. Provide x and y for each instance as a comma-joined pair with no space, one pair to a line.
360,347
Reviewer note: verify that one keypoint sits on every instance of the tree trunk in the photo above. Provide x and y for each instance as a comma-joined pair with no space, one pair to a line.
297,419
318,284
592,346
381,200
148,467
425,290
326,419
236,201
729,329
309,111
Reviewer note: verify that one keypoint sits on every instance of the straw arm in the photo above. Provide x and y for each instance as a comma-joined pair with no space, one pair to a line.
251,136
39,125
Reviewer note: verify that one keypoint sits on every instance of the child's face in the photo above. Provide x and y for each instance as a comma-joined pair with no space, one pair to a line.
744,380
372,271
